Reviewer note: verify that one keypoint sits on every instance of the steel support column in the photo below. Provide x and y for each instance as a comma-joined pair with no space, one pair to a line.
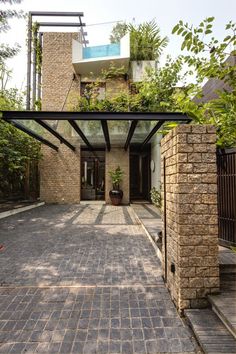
130,133
106,134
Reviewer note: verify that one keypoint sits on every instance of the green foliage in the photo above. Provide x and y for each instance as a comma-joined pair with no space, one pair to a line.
145,40
116,177
37,46
155,93
5,50
156,197
16,149
207,56
118,31
113,72
210,59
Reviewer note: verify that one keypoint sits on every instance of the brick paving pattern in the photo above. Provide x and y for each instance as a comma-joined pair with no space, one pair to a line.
73,283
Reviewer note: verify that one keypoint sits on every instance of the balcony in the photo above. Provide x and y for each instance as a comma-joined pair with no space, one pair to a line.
97,58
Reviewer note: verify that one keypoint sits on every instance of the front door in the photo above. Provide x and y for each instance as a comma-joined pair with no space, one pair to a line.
92,176
139,175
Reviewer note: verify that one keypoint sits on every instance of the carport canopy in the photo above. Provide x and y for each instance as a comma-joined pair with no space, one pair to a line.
93,129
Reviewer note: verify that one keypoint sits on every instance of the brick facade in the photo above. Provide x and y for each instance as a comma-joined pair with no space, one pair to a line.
60,172
57,70
114,158
191,214
60,175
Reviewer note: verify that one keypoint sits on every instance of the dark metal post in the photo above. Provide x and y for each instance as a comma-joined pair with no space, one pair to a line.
34,69
165,232
40,70
28,88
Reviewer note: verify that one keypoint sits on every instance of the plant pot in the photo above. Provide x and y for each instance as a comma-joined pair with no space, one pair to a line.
116,196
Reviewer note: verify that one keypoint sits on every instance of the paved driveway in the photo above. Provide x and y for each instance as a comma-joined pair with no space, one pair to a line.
84,279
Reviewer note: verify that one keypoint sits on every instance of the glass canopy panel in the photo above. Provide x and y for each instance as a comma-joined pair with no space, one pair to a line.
64,128
36,128
92,129
118,131
142,130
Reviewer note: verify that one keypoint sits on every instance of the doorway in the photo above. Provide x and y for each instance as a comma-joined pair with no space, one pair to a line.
93,175
140,176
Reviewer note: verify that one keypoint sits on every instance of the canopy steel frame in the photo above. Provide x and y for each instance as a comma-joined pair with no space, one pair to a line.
153,131
55,133
106,134
130,134
63,115
103,117
80,133
61,24
32,134
29,89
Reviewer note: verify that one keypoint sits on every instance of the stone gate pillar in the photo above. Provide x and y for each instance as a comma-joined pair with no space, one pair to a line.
192,270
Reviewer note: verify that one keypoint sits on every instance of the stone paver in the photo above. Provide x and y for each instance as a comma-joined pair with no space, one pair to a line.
73,283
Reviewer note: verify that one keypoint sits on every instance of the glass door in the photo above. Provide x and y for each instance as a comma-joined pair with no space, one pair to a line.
92,176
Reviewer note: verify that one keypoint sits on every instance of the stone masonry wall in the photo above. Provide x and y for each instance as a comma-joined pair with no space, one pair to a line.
57,72
191,214
60,175
114,158
115,87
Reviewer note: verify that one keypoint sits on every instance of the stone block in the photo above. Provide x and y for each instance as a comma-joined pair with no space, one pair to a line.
184,148
209,138
183,128
194,139
199,129
194,157
196,282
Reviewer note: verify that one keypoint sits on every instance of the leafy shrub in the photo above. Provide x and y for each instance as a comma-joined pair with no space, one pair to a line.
156,197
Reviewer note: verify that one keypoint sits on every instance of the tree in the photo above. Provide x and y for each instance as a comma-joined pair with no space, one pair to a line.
118,31
17,150
208,58
5,50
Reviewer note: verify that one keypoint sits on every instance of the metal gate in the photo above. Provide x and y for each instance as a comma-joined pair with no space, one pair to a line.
226,170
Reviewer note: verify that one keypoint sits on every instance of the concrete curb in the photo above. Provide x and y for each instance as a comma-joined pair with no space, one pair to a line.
157,251
5,214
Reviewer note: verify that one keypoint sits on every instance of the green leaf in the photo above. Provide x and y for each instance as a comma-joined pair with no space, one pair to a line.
210,19
227,38
180,30
175,28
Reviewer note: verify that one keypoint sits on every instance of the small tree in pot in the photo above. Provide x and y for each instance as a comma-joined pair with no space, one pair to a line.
116,194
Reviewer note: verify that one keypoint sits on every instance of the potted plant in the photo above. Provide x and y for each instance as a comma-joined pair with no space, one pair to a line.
116,194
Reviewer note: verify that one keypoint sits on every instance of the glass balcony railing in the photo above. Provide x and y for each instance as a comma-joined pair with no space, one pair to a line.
99,51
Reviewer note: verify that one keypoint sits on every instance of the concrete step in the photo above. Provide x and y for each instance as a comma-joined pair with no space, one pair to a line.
228,282
211,333
224,305
227,268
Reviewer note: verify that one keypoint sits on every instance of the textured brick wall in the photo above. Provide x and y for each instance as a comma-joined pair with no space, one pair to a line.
191,214
115,87
57,72
114,158
60,175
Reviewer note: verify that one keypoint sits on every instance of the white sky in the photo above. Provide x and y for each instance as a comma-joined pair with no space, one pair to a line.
166,12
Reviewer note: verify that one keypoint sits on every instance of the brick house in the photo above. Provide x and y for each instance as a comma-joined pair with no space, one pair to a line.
68,68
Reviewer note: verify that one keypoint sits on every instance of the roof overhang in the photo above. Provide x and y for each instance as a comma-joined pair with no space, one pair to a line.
13,117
